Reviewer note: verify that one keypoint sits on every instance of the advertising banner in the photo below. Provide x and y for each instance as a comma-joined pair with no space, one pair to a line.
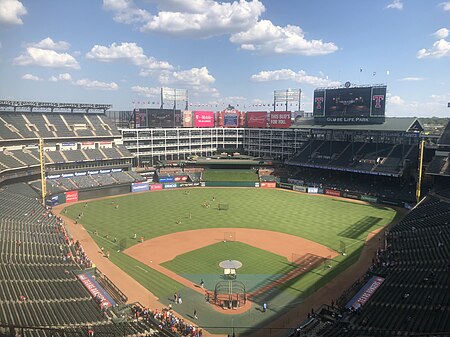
139,187
155,187
219,119
187,119
369,198
93,172
313,190
96,290
295,181
280,119
67,175
286,186
203,119
297,188
173,185
105,171
366,292
351,196
257,119
241,119
180,178
230,119
71,196
334,193
53,176
79,174
166,179
270,184
188,184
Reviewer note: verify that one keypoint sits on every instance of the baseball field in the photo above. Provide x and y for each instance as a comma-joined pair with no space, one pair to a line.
290,245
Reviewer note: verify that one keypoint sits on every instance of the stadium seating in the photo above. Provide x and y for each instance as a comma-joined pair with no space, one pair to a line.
355,156
38,285
415,296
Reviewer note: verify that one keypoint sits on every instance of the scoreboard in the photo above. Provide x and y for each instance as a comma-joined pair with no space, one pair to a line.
350,105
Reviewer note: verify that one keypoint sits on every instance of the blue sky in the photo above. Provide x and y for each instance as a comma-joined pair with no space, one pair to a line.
230,52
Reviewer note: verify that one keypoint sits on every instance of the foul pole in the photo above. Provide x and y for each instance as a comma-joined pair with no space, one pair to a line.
419,178
42,166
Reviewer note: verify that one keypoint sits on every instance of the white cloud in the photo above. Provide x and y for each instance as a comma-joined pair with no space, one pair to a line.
128,52
445,5
146,91
395,100
197,18
396,4
264,36
441,33
11,12
410,79
48,43
96,85
439,49
195,77
290,75
211,18
125,11
61,77
46,58
31,77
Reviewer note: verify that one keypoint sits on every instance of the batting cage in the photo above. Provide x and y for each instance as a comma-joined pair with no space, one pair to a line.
230,294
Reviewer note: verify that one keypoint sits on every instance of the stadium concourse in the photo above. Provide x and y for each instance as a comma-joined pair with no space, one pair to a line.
47,279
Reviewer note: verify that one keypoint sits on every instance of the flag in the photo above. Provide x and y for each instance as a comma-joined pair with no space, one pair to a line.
374,73
360,70
387,72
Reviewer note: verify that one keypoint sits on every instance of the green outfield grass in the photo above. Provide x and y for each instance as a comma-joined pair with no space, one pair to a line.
230,175
206,260
325,220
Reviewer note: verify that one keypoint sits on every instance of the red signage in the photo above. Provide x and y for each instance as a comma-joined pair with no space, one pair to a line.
257,119
270,184
203,119
71,196
219,119
241,119
156,187
334,193
280,119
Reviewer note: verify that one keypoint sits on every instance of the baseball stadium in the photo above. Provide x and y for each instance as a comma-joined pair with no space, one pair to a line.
171,222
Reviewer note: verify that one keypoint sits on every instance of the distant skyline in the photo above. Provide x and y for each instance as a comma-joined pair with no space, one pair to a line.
121,52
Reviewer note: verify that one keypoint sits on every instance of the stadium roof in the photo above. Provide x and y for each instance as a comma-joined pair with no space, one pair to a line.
402,124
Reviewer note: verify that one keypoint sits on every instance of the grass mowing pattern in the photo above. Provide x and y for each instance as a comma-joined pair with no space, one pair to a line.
230,175
206,260
320,219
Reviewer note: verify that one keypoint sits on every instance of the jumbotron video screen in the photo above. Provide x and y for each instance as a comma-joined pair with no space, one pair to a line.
350,104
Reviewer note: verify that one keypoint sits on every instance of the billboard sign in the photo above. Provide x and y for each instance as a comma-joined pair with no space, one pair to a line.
313,190
365,293
333,193
270,184
155,187
350,105
174,185
159,118
280,119
187,119
180,178
96,290
300,188
257,119
139,187
203,119
71,196
166,179
230,119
